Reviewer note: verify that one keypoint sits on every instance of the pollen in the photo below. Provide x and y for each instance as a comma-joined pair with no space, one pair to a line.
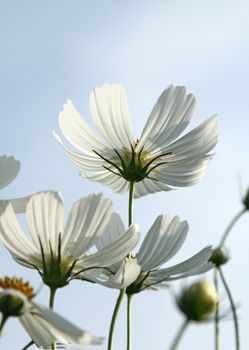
17,284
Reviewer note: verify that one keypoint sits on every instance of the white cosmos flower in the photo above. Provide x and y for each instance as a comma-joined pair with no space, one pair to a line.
43,325
158,161
9,168
162,242
58,253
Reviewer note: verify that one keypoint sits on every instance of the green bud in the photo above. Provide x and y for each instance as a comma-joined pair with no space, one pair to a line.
198,301
219,256
11,305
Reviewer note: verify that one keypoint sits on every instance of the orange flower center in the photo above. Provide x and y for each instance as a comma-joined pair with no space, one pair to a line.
17,284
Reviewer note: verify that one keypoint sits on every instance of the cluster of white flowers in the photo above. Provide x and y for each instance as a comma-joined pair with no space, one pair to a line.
159,160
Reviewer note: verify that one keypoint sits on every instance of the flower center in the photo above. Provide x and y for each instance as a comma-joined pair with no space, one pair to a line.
133,165
17,284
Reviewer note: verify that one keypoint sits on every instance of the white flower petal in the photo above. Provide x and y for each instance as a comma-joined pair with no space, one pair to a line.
127,273
198,141
19,204
45,214
169,117
197,264
86,222
14,239
115,251
76,131
117,183
46,326
112,232
109,109
9,168
147,186
187,172
162,242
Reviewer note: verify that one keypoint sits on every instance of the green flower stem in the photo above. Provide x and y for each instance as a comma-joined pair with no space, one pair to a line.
216,317
114,318
28,345
122,291
51,305
51,299
3,320
235,318
230,226
129,296
179,334
131,197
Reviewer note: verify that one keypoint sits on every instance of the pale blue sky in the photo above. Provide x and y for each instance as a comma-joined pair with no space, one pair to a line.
52,51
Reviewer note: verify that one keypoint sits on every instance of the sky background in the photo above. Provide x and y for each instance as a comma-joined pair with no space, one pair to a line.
51,51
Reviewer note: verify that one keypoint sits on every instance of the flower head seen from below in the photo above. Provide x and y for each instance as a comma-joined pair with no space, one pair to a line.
162,242
158,161
57,253
9,168
42,324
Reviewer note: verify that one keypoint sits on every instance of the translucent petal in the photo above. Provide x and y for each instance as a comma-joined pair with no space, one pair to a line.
198,263
19,204
127,273
162,242
14,239
45,214
109,109
197,142
112,232
76,131
169,117
182,173
114,251
117,183
9,168
148,186
86,223
45,327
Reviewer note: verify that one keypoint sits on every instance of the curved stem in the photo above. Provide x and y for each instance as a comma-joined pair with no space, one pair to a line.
129,296
28,345
51,305
114,318
179,335
3,320
230,226
216,317
235,318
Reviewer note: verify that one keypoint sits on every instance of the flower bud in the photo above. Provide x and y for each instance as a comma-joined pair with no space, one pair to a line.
11,305
219,256
198,301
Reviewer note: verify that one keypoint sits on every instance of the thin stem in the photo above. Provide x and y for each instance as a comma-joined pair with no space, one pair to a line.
51,305
179,334
3,320
230,226
122,291
235,318
114,318
129,296
28,345
131,197
216,317
51,299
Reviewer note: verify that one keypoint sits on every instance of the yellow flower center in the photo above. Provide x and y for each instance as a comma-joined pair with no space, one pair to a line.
17,284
